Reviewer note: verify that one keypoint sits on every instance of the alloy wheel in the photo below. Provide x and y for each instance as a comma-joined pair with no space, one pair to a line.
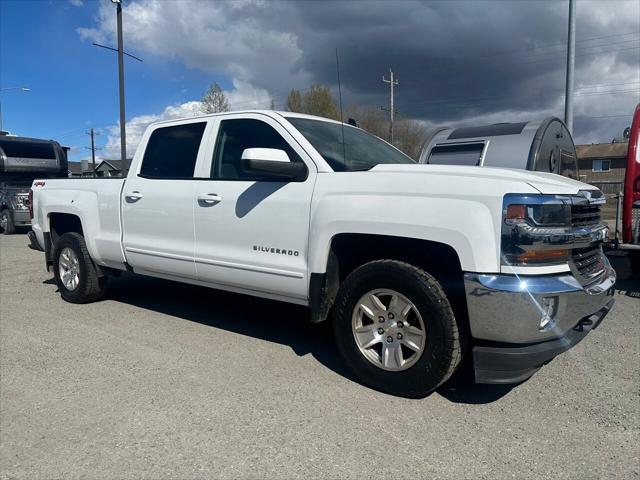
69,269
388,329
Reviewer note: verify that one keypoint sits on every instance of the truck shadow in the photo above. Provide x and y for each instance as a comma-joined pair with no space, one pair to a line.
267,320
461,388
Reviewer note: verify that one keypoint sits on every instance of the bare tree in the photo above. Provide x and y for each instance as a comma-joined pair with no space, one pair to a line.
316,101
319,101
294,102
409,134
371,119
214,100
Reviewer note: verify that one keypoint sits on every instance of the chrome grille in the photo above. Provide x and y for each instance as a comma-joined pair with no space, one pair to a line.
588,262
584,214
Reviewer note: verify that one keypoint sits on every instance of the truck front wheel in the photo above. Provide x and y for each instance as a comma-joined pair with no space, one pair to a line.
395,328
75,273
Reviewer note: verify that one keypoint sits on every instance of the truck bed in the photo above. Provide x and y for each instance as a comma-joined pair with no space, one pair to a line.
96,201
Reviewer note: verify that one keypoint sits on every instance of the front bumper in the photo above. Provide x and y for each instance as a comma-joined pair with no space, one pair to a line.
521,322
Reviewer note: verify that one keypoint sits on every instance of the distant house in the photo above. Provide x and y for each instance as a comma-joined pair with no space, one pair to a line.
110,168
79,169
603,164
104,168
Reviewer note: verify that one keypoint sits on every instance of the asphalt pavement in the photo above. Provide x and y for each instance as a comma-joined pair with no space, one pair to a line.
164,380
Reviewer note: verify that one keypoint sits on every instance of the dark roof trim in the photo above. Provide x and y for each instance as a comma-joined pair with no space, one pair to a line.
488,130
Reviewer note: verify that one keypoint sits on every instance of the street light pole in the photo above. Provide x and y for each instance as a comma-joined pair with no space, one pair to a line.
22,89
571,61
123,133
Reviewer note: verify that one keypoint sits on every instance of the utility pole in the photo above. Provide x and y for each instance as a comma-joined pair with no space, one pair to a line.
121,53
571,61
123,133
93,149
391,110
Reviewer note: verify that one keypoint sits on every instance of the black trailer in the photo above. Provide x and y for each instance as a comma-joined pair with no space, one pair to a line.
22,160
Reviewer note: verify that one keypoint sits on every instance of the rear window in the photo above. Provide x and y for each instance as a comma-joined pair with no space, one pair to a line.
456,154
172,151
22,149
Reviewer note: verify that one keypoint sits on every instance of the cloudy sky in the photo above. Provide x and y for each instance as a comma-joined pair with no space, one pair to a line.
458,62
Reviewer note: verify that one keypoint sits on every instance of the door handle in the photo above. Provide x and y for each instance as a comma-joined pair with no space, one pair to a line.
209,198
133,196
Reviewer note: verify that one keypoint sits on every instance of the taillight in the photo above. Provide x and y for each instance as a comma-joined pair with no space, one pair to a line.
31,203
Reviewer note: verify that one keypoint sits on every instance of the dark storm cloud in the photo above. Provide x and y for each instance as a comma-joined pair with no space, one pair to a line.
456,61
461,60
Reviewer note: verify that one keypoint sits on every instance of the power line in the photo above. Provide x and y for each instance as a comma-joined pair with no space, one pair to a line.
474,99
589,94
584,48
563,45
608,85
497,60
608,116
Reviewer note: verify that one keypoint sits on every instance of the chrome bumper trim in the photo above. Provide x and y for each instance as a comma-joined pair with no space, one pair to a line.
512,308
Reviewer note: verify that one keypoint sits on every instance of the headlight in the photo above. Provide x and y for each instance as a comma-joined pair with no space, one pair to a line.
535,230
549,214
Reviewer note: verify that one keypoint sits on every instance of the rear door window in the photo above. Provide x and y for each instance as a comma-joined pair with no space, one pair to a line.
172,151
234,137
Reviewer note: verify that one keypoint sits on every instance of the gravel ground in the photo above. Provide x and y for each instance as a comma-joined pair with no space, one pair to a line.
170,381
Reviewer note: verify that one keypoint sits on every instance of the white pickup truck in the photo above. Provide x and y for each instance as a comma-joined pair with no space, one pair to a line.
418,266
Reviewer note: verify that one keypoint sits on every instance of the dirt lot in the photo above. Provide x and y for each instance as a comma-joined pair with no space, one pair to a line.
164,380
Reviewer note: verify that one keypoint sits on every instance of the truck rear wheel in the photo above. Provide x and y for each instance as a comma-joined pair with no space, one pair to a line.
395,328
6,223
75,273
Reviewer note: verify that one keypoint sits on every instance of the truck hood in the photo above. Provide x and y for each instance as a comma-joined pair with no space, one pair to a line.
547,183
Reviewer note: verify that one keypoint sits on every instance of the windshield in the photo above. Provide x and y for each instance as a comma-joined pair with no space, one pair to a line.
362,150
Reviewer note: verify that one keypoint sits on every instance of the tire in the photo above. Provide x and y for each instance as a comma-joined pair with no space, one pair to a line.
89,287
634,258
6,223
442,351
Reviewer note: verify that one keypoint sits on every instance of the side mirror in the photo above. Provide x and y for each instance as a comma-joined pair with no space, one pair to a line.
272,162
